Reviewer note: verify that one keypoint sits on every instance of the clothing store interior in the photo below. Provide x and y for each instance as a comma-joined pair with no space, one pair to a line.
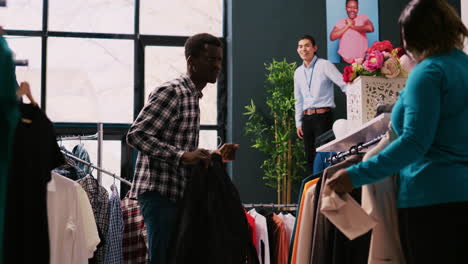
229,131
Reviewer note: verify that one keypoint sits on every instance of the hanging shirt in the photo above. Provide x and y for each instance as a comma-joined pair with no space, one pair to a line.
135,239
313,86
262,244
379,201
288,220
299,222
282,245
304,234
80,152
253,230
116,229
35,154
72,229
99,199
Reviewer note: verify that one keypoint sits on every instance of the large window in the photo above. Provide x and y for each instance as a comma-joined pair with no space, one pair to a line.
96,61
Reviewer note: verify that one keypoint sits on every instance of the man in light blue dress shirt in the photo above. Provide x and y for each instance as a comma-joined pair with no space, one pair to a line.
314,94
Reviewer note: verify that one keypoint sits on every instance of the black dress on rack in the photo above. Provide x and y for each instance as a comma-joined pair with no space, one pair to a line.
35,154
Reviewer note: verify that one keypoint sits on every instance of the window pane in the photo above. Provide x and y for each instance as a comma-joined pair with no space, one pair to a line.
209,139
110,160
181,17
163,64
90,80
28,48
22,14
103,16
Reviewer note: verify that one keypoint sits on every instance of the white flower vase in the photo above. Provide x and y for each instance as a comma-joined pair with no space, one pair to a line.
365,93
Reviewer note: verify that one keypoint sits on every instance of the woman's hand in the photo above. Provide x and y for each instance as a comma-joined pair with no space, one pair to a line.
340,182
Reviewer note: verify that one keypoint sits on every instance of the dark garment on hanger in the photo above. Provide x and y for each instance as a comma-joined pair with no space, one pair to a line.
211,224
272,237
35,154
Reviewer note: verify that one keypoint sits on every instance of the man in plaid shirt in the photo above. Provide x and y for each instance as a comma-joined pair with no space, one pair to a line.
166,135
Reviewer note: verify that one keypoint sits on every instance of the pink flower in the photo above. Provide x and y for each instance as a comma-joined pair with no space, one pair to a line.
390,68
358,61
386,54
407,63
374,61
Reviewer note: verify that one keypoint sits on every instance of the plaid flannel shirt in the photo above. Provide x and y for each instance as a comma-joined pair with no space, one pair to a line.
116,229
99,199
135,240
166,127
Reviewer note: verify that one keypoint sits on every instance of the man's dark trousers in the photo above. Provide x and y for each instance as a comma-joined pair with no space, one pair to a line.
313,126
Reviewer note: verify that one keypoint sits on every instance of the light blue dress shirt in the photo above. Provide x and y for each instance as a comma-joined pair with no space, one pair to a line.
313,86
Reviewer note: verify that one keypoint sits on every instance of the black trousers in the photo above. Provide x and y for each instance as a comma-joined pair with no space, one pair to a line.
435,234
312,127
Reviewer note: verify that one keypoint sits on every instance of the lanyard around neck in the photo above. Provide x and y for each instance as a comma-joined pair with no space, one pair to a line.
309,82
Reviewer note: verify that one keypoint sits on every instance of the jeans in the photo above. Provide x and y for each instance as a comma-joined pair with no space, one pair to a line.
159,214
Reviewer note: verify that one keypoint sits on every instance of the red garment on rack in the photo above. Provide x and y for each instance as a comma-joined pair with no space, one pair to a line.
251,221
135,240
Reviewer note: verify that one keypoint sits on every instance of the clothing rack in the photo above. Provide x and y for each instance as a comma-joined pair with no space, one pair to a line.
97,168
21,62
340,156
100,138
272,205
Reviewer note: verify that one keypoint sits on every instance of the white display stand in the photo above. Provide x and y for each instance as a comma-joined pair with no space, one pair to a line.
364,133
366,93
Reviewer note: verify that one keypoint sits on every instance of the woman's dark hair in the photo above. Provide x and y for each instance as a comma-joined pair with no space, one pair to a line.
431,27
309,37
196,44
352,0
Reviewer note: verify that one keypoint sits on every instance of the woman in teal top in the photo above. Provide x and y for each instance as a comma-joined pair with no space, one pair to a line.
431,151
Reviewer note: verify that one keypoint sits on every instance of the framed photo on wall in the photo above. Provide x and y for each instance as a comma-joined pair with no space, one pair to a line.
352,26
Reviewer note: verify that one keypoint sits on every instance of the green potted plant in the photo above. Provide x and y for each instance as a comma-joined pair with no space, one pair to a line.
274,132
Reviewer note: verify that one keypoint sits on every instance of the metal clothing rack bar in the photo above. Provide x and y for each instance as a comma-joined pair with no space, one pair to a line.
21,62
353,150
99,157
100,139
87,137
271,205
97,168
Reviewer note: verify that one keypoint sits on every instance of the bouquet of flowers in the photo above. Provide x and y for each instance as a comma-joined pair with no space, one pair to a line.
381,59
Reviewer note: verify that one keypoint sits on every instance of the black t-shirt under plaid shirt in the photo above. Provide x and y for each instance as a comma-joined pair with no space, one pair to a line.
168,126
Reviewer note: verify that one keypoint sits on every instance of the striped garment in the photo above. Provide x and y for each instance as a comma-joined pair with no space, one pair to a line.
116,229
99,199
